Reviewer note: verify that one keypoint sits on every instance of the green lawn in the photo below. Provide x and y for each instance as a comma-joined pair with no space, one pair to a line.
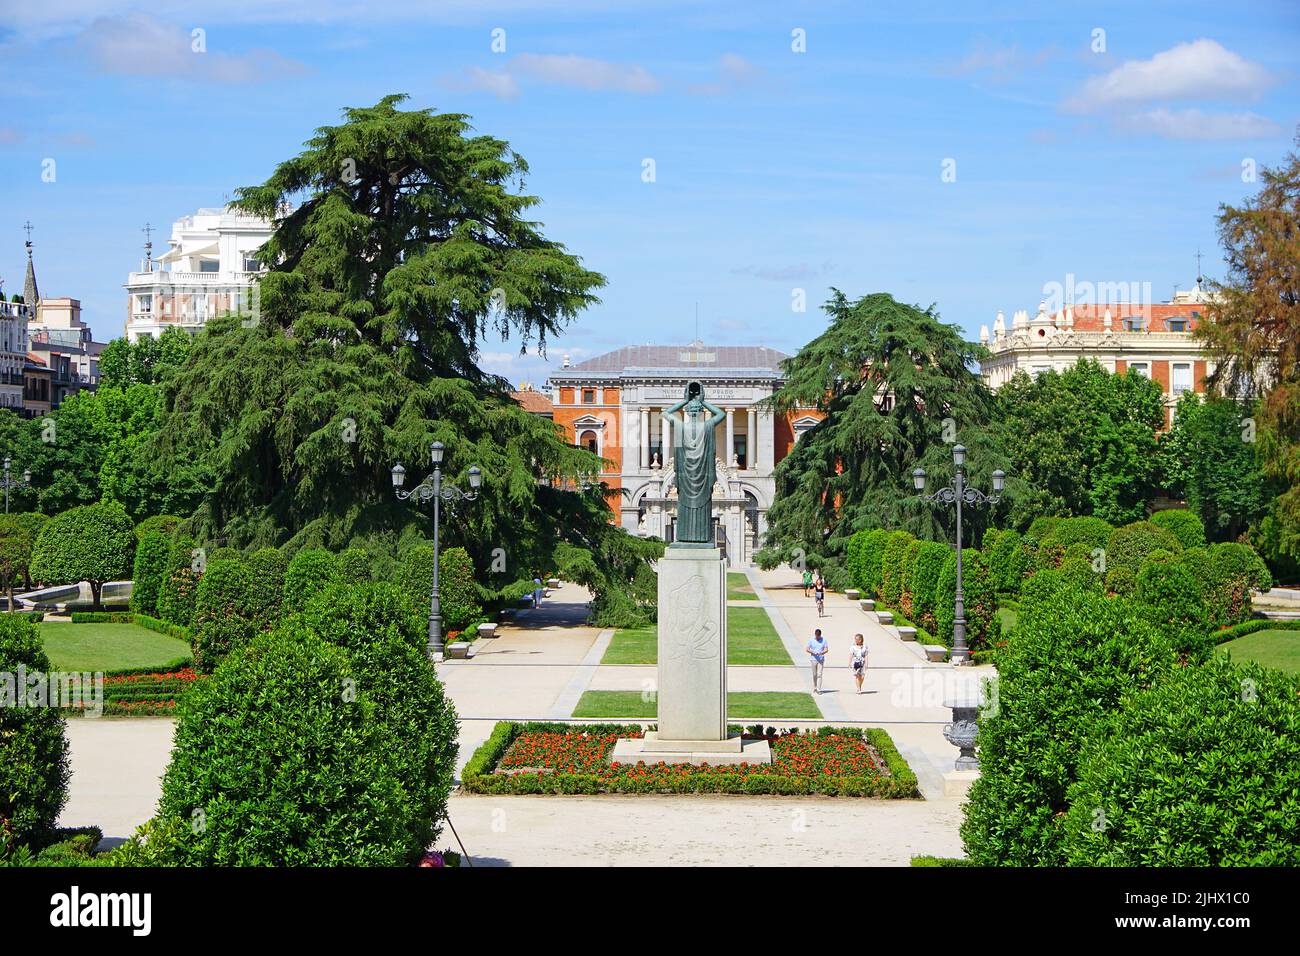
741,705
738,587
108,647
1278,649
751,639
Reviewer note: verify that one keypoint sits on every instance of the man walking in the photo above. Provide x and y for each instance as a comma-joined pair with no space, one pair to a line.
817,649
807,582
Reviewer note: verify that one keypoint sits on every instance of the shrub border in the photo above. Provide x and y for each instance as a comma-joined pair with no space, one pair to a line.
1226,634
478,776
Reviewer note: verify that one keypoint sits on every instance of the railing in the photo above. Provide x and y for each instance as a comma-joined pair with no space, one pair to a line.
191,278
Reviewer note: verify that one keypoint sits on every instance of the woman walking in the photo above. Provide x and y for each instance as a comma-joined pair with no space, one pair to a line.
858,659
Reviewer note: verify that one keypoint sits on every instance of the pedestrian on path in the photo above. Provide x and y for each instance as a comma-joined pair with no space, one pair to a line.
817,649
819,592
807,582
537,592
858,659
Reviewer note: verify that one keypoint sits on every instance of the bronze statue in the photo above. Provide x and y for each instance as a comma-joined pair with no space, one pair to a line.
695,464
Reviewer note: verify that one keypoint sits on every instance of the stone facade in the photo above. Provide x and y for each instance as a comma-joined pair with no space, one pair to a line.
1153,340
612,404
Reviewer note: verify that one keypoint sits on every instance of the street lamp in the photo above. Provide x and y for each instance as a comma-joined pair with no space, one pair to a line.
957,493
10,482
433,488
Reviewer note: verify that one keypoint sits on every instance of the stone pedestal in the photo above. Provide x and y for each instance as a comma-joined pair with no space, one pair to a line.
692,689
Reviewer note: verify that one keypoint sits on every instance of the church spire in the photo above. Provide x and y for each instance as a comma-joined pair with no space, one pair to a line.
31,295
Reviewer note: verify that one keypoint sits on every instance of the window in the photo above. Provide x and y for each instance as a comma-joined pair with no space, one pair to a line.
251,264
1182,378
1177,325
1134,323
588,441
741,450
1140,368
208,265
589,396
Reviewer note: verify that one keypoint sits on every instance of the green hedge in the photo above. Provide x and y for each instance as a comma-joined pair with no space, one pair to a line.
478,776
102,617
1092,533
164,627
892,566
1250,627
983,630
1186,526
150,569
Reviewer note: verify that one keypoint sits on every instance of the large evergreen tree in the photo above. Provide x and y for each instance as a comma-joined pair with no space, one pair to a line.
408,244
897,388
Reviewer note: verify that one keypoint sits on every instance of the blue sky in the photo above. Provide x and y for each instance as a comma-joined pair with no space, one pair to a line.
1102,155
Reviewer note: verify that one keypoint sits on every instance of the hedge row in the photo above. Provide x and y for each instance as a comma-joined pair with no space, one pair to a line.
164,627
102,617
478,775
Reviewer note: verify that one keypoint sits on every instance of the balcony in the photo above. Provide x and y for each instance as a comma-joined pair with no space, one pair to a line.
205,280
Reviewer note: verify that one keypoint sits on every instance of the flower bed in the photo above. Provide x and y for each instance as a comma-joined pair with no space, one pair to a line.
146,693
574,758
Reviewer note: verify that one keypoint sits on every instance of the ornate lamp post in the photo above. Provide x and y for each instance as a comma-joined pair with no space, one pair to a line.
957,493
10,482
433,488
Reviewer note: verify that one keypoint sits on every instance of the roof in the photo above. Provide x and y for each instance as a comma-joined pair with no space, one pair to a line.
539,403
695,357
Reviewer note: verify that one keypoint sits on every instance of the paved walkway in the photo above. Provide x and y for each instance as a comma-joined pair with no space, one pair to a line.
538,668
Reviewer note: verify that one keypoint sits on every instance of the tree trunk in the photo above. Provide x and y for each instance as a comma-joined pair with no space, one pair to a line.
95,588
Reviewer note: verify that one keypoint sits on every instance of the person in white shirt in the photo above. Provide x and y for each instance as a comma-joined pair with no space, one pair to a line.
817,649
858,659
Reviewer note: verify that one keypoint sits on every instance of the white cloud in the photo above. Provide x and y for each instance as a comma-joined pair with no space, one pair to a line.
476,79
586,73
734,71
137,44
1200,69
1198,125
1001,63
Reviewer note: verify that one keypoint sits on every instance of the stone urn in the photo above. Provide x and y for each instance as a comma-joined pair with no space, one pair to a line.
961,731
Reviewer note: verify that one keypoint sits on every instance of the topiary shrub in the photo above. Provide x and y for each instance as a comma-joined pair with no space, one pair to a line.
872,553
92,543
310,571
1200,770
983,630
1039,529
221,620
457,593
1088,534
354,566
166,524
1008,560
1186,526
1121,582
891,567
34,769
266,569
281,759
906,599
1170,595
151,556
1080,573
1231,570
853,557
925,582
386,641
1130,545
176,596
16,543
1068,664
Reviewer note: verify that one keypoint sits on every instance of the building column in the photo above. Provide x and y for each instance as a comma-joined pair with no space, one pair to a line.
665,439
751,439
731,437
643,439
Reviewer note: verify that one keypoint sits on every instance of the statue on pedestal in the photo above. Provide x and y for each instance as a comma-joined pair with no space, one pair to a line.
695,463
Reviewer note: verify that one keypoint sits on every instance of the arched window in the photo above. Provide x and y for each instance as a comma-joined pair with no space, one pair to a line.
588,441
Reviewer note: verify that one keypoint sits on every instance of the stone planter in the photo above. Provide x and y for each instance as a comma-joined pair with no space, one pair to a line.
907,633
867,604
961,731
460,650
885,617
553,583
853,594
487,631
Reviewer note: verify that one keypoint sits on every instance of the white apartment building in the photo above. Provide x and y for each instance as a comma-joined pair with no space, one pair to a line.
209,269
